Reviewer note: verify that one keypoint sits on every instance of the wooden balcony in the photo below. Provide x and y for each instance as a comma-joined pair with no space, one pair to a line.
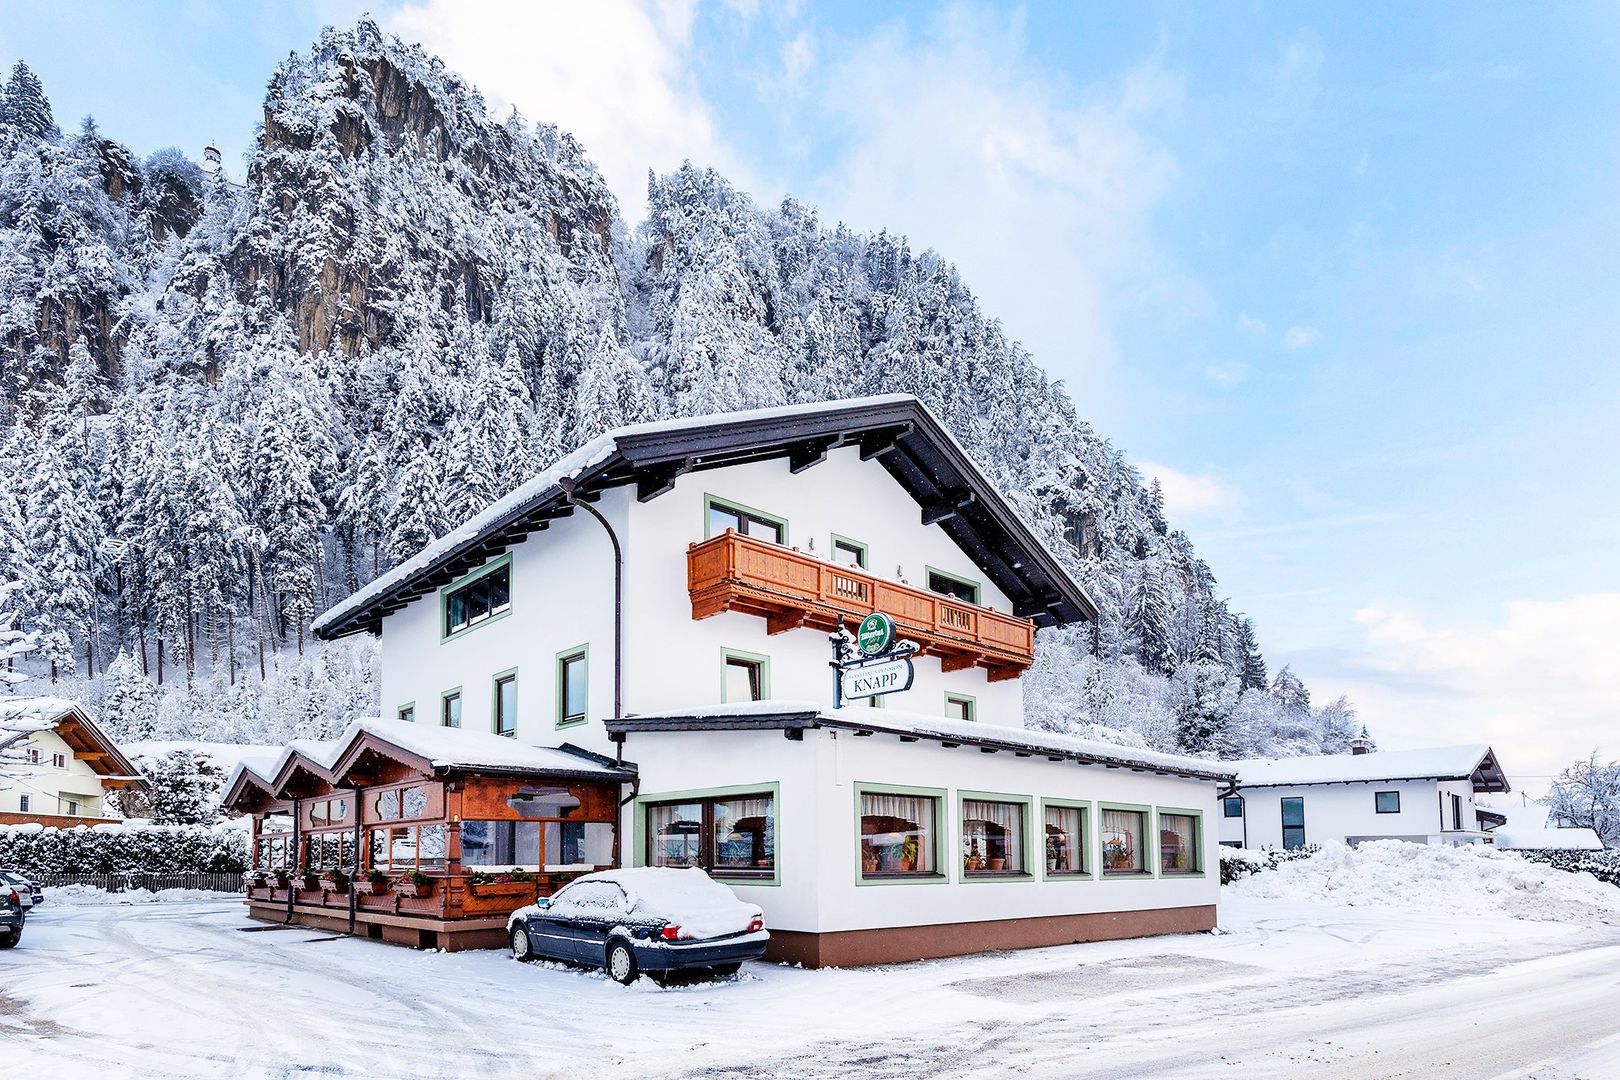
791,590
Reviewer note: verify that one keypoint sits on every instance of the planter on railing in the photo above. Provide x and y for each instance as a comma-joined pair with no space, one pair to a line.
414,886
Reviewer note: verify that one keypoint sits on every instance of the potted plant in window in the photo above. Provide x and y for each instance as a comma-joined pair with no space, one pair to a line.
997,864
908,855
413,883
378,881
335,880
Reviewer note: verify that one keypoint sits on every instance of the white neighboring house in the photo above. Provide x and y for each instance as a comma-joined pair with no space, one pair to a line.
1527,828
60,768
1425,796
929,822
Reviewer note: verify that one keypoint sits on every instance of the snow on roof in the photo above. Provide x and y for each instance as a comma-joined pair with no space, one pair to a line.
1518,838
592,453
1441,761
942,728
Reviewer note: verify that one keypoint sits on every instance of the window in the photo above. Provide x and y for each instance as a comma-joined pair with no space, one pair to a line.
1232,807
501,843
959,707
1456,812
727,835
407,713
58,761
847,552
1293,824
993,838
450,709
25,803
899,836
504,703
1065,835
1124,840
328,811
747,678
396,803
571,686
484,595
1178,843
34,757
950,585
1387,802
408,847
740,519
72,807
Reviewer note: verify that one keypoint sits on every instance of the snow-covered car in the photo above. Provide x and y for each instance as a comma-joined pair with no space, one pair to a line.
12,915
648,920
27,890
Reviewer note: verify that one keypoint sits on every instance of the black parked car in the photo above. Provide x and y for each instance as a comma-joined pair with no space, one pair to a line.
11,917
647,920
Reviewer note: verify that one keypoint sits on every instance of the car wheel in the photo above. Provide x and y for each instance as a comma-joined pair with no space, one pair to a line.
621,962
725,971
10,938
521,950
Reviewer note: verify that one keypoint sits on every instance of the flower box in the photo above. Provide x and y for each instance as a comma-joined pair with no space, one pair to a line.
413,888
378,886
335,885
508,889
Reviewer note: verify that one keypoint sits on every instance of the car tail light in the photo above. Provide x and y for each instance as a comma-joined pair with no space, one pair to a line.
673,933
757,925
15,899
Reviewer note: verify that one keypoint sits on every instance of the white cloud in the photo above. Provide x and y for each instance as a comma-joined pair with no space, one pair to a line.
1300,337
1539,682
1041,191
798,55
615,73
1228,374
1191,494
1250,324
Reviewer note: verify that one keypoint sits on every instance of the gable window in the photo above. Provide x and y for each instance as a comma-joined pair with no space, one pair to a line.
504,704
407,713
572,684
727,835
1387,802
1124,841
993,834
1178,843
951,585
58,761
482,596
899,836
747,678
847,552
1065,835
1293,824
25,803
960,707
450,709
1233,806
34,756
744,521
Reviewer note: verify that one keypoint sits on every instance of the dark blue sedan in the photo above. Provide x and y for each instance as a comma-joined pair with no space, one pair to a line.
646,920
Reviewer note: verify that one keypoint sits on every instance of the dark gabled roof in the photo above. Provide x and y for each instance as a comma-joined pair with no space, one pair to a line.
897,431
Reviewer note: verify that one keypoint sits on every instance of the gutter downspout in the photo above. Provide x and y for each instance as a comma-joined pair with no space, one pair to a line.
354,876
293,860
569,486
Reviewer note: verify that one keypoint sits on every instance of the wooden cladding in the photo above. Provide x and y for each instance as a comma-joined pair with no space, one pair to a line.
790,589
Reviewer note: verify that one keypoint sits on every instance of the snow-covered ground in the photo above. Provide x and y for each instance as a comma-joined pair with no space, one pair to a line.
1298,982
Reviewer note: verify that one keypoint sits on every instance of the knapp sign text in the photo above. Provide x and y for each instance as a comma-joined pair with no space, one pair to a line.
874,680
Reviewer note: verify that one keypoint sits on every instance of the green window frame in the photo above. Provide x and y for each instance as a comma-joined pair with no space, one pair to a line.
453,695
1087,853
940,875
862,554
463,586
970,711
974,589
1196,869
730,658
406,712
499,723
639,832
1026,805
1150,852
746,515
580,654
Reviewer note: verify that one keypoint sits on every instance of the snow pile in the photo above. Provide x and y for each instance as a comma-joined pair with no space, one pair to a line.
90,896
1465,880
689,899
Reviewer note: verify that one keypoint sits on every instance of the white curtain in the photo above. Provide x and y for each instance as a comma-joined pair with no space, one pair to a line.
1122,840
1178,843
999,829
1065,848
916,812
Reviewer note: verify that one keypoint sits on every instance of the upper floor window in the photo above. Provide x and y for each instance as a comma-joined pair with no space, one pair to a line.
34,756
950,585
25,803
747,522
59,761
1387,802
504,722
847,552
407,713
571,686
1232,807
477,601
747,678
450,709
959,707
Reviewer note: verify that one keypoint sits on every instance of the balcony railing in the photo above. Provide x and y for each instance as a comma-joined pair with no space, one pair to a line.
791,590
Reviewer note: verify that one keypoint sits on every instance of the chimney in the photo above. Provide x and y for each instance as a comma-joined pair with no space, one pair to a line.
1362,744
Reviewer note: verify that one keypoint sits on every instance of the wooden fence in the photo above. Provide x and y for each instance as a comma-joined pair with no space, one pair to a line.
124,881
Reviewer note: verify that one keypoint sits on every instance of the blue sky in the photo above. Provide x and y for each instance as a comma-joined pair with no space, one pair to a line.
1344,277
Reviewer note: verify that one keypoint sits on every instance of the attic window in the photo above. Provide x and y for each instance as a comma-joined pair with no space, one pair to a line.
477,600
950,585
744,521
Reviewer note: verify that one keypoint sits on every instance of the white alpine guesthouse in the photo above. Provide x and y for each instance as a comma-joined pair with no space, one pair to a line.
661,605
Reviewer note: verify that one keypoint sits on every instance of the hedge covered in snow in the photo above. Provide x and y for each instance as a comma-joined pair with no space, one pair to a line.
1241,862
1603,865
101,849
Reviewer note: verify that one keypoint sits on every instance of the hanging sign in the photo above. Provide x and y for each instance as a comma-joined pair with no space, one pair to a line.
876,679
875,634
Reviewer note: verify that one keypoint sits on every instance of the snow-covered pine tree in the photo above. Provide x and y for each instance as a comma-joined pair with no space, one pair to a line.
25,111
63,537
129,708
181,794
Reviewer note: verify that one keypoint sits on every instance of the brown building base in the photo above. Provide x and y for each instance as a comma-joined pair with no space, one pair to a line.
451,935
897,944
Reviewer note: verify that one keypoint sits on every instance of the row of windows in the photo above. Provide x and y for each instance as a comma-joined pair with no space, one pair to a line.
1384,802
745,521
572,684
37,757
530,845
901,838
64,805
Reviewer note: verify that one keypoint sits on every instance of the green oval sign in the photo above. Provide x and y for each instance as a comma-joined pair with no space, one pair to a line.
875,634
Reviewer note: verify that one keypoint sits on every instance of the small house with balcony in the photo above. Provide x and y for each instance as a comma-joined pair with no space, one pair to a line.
657,612
60,765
